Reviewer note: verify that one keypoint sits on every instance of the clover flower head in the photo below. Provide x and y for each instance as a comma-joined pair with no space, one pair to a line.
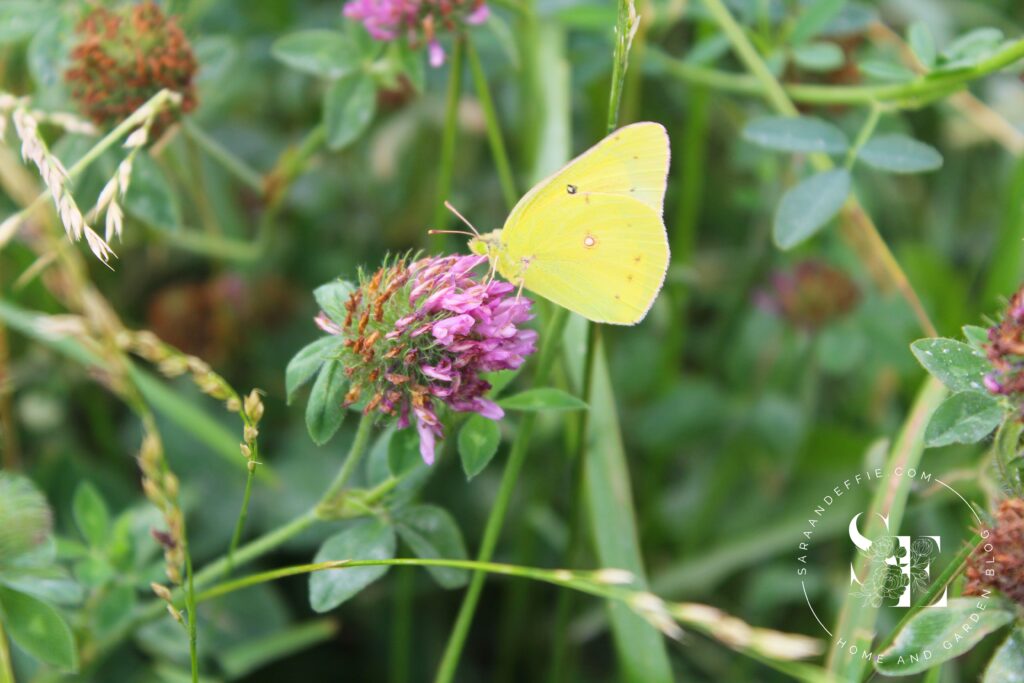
999,562
418,335
126,55
1005,351
811,295
419,21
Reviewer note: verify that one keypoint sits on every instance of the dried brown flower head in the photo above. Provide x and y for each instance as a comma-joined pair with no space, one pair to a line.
999,562
811,295
1005,350
125,56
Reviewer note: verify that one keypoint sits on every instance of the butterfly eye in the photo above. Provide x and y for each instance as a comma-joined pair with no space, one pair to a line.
571,189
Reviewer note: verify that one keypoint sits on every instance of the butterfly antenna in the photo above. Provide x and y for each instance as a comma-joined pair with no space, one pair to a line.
448,205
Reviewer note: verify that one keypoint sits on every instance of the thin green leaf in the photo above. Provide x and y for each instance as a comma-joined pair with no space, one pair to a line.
349,106
433,534
544,398
900,154
882,70
38,629
796,134
970,48
954,363
808,206
640,647
328,54
478,443
939,634
368,539
324,412
966,417
976,336
91,514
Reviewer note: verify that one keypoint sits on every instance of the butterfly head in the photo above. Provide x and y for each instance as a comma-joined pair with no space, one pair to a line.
487,244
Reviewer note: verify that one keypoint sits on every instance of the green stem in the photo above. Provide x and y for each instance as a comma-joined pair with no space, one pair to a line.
355,454
864,134
400,645
227,159
911,93
236,537
494,136
856,619
451,116
190,602
624,26
496,519
6,667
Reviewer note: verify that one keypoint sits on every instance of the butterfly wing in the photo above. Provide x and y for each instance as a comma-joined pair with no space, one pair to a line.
604,258
591,237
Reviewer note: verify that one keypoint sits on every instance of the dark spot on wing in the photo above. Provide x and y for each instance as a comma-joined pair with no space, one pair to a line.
629,278
571,189
637,259
632,189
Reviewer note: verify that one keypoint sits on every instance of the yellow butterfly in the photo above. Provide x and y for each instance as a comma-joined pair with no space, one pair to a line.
591,237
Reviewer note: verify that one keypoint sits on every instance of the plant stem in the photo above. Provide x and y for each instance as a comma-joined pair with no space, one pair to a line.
451,120
227,159
355,454
912,93
6,668
494,136
496,519
236,537
864,134
190,602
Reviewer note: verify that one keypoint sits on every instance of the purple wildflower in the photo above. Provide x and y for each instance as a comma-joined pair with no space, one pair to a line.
418,336
809,296
1005,351
419,21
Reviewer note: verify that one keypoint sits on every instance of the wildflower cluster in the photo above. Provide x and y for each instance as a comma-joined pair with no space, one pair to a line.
418,335
999,562
124,57
420,21
811,295
1005,351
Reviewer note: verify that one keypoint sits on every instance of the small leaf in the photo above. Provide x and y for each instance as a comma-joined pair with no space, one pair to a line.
478,443
91,514
809,205
976,336
965,417
324,412
307,361
708,49
20,19
328,54
952,362
971,48
922,43
404,451
25,519
114,610
38,629
1007,665
900,154
796,134
332,296
942,632
818,56
545,398
150,197
853,19
349,106
885,71
815,17
432,534
369,539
